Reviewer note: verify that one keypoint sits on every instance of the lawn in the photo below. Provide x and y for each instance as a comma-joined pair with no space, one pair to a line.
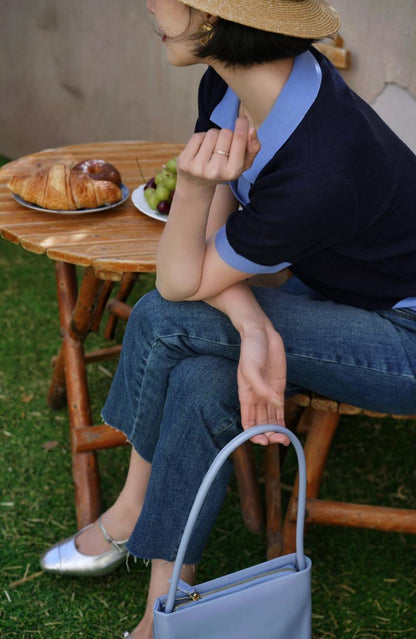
364,582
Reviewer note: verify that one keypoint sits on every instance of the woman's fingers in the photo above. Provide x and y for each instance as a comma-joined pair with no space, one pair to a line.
192,148
239,143
222,146
257,409
220,154
248,420
198,150
255,412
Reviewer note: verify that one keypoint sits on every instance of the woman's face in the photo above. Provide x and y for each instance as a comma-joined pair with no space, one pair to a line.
176,22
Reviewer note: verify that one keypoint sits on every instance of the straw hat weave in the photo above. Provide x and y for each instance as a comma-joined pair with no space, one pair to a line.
301,18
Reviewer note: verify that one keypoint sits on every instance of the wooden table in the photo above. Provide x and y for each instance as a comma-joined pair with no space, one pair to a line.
107,245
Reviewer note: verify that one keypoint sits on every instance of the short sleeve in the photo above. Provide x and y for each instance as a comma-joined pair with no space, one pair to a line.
289,217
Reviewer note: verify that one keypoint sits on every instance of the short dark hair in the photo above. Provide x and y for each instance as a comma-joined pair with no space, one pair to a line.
235,44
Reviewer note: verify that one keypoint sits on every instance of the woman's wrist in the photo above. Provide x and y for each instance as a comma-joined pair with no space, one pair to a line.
188,189
250,326
240,305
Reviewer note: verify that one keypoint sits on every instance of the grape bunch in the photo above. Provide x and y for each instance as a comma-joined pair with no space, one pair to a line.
159,190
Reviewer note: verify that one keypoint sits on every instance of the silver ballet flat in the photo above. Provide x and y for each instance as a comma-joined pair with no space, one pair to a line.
126,635
65,559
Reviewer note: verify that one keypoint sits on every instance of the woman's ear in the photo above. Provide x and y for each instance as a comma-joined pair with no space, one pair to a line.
210,18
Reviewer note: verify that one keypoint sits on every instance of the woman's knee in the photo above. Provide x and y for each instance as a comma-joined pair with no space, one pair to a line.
147,308
155,313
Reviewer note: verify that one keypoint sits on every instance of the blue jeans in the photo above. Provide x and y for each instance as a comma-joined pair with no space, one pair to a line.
175,392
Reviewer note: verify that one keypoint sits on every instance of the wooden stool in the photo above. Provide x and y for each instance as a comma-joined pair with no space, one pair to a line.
319,420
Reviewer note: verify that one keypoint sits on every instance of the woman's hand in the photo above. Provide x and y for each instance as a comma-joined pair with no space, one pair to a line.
261,380
261,373
218,155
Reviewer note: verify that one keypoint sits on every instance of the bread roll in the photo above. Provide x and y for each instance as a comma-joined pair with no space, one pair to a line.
60,188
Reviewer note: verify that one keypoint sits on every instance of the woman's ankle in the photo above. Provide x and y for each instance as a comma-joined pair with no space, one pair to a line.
118,525
120,519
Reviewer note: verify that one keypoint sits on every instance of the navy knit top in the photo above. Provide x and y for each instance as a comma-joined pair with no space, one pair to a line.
332,192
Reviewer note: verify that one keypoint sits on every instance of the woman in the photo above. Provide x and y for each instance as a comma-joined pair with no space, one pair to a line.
319,185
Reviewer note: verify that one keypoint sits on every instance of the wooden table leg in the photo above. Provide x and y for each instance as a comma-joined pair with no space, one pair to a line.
117,306
67,291
77,313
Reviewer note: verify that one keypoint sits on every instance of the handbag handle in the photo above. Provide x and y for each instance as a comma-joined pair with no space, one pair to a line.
206,484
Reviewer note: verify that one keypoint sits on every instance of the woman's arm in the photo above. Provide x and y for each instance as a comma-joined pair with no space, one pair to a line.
188,266
223,204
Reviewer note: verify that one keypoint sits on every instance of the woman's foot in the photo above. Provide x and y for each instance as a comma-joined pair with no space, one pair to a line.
116,523
65,558
97,549
100,547
143,631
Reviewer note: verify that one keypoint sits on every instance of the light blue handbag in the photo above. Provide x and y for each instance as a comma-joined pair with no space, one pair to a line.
271,600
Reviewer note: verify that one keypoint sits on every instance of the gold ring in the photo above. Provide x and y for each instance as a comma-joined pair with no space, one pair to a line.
222,153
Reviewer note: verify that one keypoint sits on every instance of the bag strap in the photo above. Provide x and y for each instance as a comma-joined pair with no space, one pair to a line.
206,484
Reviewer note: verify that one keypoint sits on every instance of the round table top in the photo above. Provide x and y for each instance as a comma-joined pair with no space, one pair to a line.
114,241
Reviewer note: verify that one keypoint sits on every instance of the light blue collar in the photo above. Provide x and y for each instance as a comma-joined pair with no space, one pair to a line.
291,106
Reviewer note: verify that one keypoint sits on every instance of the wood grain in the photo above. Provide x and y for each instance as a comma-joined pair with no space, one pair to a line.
111,242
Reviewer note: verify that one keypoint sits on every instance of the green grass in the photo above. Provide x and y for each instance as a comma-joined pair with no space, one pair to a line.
364,582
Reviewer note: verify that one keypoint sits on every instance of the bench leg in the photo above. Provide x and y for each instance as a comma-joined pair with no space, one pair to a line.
273,459
248,487
321,427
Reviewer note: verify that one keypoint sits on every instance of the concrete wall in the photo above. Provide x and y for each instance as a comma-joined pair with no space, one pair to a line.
87,70
381,35
93,70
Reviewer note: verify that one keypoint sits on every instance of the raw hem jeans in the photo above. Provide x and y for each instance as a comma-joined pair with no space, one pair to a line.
175,393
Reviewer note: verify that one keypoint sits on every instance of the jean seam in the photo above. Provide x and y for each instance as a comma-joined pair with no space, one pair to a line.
138,390
194,337
227,427
356,366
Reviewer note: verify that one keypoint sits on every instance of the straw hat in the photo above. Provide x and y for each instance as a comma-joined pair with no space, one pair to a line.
301,18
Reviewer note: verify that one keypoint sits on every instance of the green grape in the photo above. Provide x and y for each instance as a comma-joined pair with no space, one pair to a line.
162,192
170,182
171,165
151,198
166,173
165,182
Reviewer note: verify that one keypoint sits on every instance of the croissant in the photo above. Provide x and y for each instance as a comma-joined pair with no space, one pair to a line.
61,188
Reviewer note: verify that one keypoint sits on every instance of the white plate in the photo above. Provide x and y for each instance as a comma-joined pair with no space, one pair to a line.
29,205
140,202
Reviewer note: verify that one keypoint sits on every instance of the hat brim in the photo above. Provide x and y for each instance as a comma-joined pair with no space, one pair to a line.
312,19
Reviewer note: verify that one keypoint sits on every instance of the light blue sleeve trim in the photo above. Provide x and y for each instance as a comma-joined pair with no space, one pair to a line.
240,263
409,302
